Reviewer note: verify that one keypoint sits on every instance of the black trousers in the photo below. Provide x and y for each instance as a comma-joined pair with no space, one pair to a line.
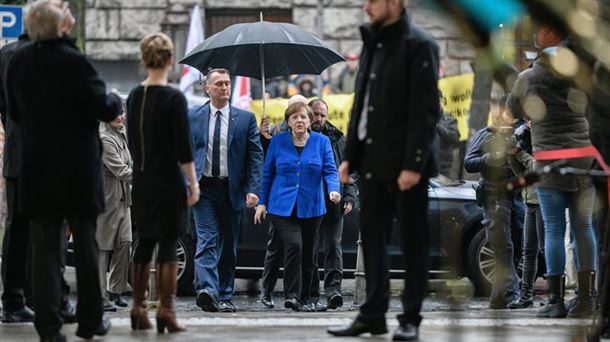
331,231
380,202
300,238
15,253
48,246
273,261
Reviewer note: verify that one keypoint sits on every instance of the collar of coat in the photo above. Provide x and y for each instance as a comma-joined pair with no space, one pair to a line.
332,132
65,40
371,34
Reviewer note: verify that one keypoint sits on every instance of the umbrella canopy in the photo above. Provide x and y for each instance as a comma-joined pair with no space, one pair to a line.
263,50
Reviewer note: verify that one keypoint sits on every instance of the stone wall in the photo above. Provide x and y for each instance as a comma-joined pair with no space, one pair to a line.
114,27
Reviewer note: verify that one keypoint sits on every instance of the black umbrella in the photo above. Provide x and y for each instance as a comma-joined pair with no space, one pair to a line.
263,50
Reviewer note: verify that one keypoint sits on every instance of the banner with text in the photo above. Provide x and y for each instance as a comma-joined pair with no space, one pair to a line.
457,95
339,107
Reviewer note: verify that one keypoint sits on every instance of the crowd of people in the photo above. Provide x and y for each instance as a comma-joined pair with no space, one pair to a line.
78,162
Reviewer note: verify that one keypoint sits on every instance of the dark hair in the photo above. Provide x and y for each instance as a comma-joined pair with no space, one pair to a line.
217,70
297,106
314,101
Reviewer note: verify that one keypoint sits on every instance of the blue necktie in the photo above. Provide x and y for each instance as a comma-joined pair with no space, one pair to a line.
216,146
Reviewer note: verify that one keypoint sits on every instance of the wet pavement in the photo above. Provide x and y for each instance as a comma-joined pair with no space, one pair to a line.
444,320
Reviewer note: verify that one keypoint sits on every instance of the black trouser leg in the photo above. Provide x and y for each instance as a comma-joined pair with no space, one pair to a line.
14,253
375,228
310,237
532,246
290,233
89,307
273,260
48,240
412,211
331,232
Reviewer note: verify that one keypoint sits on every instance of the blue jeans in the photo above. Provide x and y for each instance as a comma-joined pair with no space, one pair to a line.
553,204
503,216
217,225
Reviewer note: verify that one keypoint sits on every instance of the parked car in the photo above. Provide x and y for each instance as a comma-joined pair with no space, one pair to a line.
458,243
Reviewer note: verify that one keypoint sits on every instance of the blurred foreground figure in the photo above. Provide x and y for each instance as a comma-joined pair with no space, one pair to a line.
392,125
558,122
61,167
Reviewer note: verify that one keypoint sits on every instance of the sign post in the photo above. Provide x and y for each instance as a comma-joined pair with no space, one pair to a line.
11,23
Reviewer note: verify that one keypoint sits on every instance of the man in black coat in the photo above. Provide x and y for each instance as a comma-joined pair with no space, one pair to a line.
15,245
57,99
16,234
392,124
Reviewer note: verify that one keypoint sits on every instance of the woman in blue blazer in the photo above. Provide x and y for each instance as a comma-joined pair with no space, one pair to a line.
299,168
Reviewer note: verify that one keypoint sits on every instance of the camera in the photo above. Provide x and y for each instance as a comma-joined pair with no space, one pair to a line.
522,138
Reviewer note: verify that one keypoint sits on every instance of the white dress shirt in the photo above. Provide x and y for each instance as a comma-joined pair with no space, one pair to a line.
224,130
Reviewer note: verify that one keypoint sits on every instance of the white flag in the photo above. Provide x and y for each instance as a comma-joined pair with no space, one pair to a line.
191,75
241,97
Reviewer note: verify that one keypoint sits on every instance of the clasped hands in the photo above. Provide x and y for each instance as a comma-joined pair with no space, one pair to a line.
261,210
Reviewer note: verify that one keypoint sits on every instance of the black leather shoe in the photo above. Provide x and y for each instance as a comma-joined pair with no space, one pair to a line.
109,307
268,301
68,312
407,332
207,302
226,306
55,338
25,314
319,307
292,303
335,301
358,327
118,300
101,330
521,303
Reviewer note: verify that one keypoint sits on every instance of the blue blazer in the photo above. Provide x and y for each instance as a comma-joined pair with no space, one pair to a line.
244,151
290,178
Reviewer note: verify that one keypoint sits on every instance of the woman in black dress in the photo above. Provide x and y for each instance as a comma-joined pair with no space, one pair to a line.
160,144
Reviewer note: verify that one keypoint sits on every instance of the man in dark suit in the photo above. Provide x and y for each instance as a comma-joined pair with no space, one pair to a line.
392,124
57,99
228,159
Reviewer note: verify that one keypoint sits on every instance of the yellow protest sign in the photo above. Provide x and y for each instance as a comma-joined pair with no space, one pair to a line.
339,107
457,96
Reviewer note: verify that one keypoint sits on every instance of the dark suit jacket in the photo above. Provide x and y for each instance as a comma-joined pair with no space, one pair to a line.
399,63
12,147
57,98
244,151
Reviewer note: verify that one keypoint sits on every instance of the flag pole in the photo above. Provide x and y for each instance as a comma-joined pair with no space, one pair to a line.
262,57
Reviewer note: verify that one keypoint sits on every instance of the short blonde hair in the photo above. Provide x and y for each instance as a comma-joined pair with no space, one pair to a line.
42,20
156,50
297,106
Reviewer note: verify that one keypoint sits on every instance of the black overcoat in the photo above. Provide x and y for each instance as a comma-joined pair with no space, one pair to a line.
399,63
57,97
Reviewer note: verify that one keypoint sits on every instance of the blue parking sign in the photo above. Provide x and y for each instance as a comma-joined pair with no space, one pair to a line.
11,21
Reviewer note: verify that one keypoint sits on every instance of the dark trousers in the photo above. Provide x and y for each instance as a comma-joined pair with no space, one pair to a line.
380,201
15,253
300,238
48,241
331,231
503,216
217,226
273,261
533,246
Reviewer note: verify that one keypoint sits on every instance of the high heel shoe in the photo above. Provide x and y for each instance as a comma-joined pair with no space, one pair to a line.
166,287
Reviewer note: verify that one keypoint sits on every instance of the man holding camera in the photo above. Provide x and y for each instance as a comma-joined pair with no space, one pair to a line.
503,212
